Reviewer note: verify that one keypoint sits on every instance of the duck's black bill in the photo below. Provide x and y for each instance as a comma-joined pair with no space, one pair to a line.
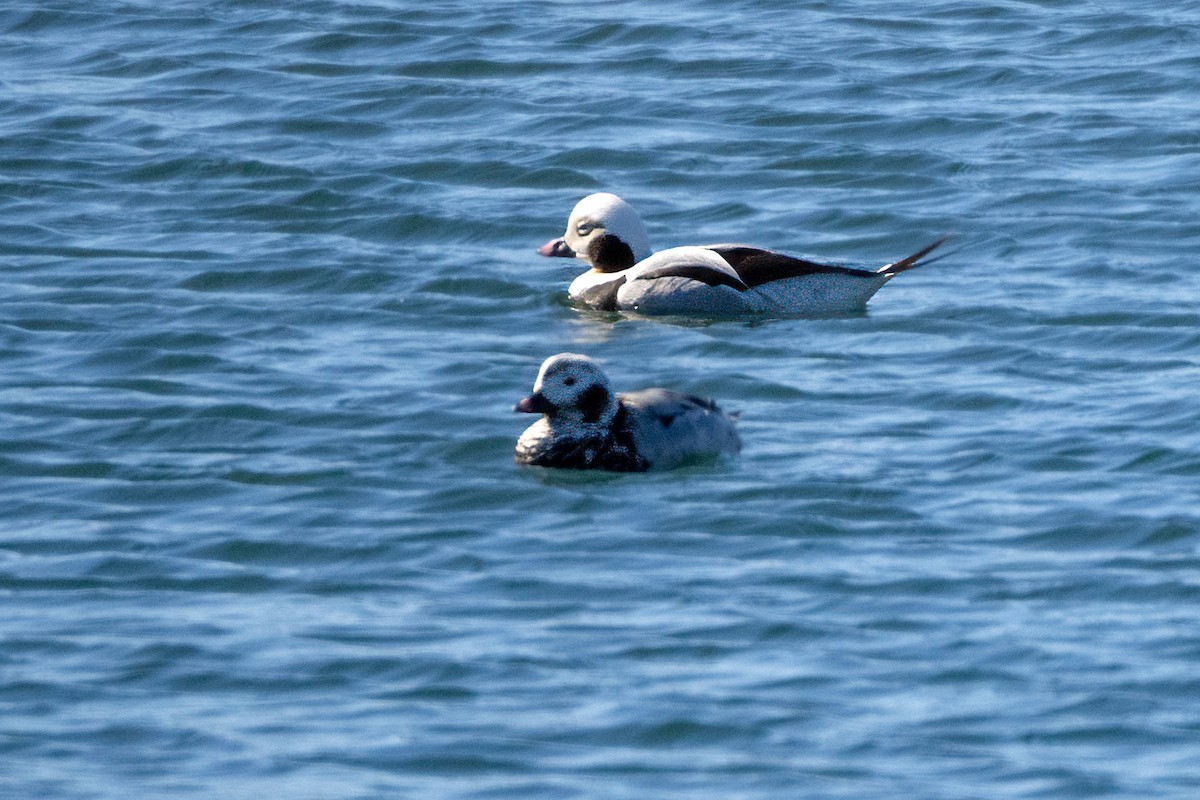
536,403
557,248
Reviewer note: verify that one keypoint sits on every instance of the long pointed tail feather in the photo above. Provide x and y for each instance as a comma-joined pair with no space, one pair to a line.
896,267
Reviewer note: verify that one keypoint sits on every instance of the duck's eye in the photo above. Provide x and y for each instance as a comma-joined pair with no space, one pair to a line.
584,228
568,381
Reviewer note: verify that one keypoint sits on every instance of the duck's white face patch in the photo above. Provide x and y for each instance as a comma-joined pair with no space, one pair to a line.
600,214
577,387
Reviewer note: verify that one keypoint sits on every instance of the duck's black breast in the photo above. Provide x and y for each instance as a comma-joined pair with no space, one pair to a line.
603,297
612,449
589,454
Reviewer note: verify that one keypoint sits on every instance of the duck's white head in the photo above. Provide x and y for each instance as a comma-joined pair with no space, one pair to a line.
571,389
604,231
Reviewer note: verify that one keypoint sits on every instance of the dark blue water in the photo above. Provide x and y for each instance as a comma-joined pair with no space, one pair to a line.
268,292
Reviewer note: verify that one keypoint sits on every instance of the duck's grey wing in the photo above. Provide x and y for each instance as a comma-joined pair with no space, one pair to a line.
670,427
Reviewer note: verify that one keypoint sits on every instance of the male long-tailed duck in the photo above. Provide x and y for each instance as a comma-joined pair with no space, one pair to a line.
626,275
584,425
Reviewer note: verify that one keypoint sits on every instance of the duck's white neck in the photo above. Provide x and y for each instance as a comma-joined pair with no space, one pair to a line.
592,279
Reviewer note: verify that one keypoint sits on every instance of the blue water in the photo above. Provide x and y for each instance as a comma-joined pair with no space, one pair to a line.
268,292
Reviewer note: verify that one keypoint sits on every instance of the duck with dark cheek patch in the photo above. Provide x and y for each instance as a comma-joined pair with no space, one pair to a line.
606,233
584,425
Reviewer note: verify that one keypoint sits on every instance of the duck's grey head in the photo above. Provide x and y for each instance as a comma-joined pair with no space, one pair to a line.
604,231
571,388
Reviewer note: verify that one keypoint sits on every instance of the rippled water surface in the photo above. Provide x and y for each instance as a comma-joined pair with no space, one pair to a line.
268,292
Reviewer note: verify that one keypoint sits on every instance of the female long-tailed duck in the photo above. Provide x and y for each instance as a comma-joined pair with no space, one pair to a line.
584,425
605,232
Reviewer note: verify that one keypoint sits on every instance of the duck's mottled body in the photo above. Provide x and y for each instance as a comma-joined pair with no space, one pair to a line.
586,426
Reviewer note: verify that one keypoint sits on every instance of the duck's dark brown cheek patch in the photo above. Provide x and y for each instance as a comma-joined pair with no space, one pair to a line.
609,254
593,402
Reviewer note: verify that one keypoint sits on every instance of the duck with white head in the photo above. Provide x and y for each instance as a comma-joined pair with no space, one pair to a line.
624,274
585,425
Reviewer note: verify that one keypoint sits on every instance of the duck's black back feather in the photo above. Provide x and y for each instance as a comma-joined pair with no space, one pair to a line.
756,266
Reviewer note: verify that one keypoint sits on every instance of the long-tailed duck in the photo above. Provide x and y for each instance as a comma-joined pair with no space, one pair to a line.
605,232
586,426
